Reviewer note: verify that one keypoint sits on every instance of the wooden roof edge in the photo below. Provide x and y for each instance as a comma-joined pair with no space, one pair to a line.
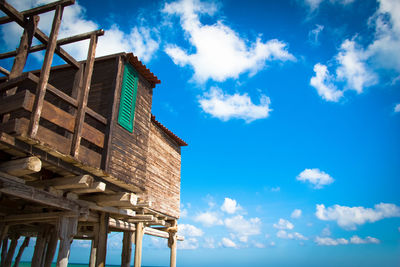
168,132
142,69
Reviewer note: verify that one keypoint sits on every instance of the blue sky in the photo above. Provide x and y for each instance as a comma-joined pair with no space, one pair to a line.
292,114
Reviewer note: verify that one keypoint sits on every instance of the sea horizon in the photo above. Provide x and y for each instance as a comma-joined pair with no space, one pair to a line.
28,263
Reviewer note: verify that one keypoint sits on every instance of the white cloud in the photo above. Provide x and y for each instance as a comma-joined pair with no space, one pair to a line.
143,41
326,231
368,240
352,67
323,82
314,34
230,206
208,219
397,108
220,53
189,230
226,242
316,177
225,106
285,235
242,227
209,242
81,243
351,217
189,244
296,214
314,4
327,241
259,245
283,224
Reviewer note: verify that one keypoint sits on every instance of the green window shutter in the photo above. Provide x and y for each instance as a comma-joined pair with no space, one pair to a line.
128,98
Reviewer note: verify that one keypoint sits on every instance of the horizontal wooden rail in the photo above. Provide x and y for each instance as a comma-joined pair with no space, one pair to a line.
68,40
39,10
4,71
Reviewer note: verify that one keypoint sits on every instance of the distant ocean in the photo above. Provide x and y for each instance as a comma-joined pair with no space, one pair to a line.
28,264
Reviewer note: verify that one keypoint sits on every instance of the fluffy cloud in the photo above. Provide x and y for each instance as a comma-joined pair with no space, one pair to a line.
327,241
296,214
230,206
283,224
208,219
285,235
397,108
189,230
220,53
322,81
225,106
189,244
316,177
143,41
242,227
351,217
226,242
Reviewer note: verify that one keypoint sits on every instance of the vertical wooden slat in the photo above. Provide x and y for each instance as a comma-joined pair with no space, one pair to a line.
68,227
21,251
126,249
83,96
102,245
95,244
11,251
111,114
138,244
45,72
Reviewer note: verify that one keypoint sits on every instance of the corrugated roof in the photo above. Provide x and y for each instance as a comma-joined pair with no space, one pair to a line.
142,69
168,132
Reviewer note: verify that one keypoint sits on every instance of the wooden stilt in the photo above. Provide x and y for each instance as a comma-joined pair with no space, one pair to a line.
126,249
4,248
51,247
21,250
172,243
102,245
68,227
39,248
95,244
138,244
11,251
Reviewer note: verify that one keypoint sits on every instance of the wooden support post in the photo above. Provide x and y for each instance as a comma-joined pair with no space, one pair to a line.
11,251
126,249
4,248
95,244
44,74
68,227
172,244
51,247
102,245
83,97
40,247
21,250
138,244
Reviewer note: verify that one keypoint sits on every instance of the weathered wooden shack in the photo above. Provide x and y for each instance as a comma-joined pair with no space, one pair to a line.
81,154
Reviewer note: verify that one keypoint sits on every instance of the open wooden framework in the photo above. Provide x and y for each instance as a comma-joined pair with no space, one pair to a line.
61,193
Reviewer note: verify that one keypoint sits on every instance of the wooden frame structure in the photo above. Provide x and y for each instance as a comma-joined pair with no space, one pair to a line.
57,181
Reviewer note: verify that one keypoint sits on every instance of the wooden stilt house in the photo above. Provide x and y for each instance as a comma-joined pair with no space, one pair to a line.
81,154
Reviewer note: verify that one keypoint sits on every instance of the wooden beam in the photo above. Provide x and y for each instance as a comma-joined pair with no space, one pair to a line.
126,249
64,41
83,97
117,200
32,217
39,10
96,187
159,233
21,251
141,218
17,189
65,183
4,71
112,210
138,244
44,74
68,227
102,245
121,225
20,167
